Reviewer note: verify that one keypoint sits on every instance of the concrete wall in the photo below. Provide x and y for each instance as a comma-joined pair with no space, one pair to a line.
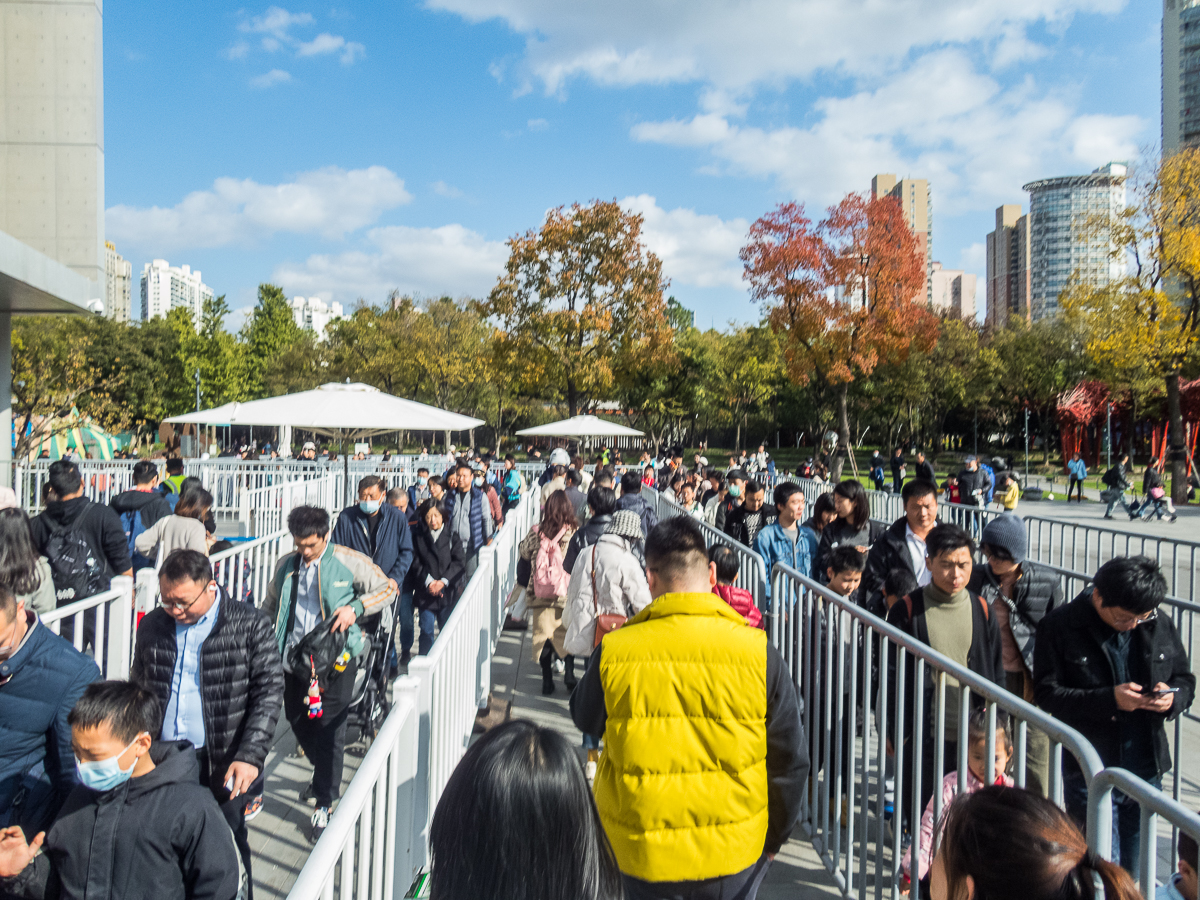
52,130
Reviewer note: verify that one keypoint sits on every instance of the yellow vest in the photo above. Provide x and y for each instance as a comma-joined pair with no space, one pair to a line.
682,783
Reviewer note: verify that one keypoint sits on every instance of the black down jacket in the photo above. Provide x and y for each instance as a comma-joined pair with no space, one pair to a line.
241,679
1035,593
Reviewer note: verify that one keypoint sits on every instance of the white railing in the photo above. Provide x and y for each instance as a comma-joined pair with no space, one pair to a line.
377,840
371,838
101,624
265,510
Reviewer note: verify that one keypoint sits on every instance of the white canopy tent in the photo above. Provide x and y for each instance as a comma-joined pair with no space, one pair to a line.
579,427
346,412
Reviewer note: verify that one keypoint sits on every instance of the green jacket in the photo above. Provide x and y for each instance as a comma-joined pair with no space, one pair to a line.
345,578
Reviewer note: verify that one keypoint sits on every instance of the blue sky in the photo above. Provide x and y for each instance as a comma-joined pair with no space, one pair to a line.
346,151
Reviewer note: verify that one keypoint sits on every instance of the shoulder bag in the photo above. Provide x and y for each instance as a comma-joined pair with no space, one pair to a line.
604,622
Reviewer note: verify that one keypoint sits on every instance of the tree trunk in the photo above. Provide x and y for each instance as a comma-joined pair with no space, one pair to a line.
572,398
737,441
1177,455
843,447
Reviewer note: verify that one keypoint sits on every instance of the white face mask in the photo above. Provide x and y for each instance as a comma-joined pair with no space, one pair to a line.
479,481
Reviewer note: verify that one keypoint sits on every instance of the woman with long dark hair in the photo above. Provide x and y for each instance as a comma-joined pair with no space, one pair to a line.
182,530
437,568
546,595
517,820
23,571
851,528
823,513
1003,842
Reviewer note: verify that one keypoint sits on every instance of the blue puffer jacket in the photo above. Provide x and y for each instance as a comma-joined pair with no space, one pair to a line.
774,546
393,541
481,518
40,684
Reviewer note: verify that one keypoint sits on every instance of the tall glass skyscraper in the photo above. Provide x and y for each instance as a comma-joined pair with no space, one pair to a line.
1059,243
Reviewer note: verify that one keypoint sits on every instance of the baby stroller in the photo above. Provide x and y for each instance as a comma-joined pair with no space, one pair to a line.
370,703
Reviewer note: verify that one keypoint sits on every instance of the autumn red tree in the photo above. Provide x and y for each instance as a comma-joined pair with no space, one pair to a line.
845,294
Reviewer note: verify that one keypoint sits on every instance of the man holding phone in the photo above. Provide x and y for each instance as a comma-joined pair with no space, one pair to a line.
214,665
1109,665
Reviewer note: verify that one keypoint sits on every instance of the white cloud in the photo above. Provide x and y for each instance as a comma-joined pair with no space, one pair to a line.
277,22
739,43
446,190
537,124
433,261
332,43
330,202
276,26
974,259
270,79
696,249
941,119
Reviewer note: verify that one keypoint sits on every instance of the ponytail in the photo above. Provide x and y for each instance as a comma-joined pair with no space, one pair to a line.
1118,884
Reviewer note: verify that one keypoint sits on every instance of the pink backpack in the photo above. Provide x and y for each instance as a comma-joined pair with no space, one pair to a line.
550,577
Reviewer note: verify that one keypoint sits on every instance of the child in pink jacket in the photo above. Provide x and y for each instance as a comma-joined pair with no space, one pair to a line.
976,753
740,599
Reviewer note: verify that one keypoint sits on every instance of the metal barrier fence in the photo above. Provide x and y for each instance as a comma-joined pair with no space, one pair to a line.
377,839
265,510
752,570
245,569
106,619
879,707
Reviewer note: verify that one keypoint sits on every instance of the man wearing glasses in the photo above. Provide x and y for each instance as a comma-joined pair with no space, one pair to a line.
1110,666
214,665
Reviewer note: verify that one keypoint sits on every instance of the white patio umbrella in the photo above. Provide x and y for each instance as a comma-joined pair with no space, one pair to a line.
581,426
343,411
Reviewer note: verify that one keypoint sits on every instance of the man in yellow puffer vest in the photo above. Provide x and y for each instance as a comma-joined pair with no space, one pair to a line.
704,759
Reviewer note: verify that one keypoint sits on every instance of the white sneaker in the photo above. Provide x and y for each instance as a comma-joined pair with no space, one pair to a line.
559,667
320,821
589,771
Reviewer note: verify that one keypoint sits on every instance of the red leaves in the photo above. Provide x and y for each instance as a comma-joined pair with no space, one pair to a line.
847,293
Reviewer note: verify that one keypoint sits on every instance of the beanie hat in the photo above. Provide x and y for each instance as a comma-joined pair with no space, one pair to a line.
626,523
1006,532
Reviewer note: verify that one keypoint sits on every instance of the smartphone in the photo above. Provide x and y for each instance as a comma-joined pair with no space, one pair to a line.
1153,693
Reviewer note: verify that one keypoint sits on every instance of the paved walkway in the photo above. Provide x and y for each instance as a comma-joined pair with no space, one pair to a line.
796,874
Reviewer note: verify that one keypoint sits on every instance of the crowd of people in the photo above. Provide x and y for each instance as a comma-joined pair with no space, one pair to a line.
694,758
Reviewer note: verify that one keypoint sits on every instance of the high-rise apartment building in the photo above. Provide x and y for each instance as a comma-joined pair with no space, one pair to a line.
1180,75
52,140
313,314
953,292
166,287
917,203
1008,268
118,284
1061,244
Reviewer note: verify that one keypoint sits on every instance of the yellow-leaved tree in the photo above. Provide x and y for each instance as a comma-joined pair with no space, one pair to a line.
1148,320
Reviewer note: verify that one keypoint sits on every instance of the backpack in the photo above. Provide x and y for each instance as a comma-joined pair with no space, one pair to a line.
76,568
550,577
131,521
1111,478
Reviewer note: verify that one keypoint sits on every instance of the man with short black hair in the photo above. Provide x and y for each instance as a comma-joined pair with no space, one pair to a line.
172,484
902,545
138,826
924,469
319,582
897,465
214,665
418,493
745,522
736,481
955,622
688,687
786,540
469,516
140,508
41,677
380,531
1110,666
84,542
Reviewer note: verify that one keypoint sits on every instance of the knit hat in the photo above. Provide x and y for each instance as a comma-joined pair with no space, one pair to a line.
626,523
1007,532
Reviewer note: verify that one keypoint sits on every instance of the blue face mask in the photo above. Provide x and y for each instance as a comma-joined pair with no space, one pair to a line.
105,774
735,490
422,480
370,507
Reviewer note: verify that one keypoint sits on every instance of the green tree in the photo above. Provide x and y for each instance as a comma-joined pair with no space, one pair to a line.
268,334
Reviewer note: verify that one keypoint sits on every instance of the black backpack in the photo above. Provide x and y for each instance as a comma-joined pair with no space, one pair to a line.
1111,478
77,569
